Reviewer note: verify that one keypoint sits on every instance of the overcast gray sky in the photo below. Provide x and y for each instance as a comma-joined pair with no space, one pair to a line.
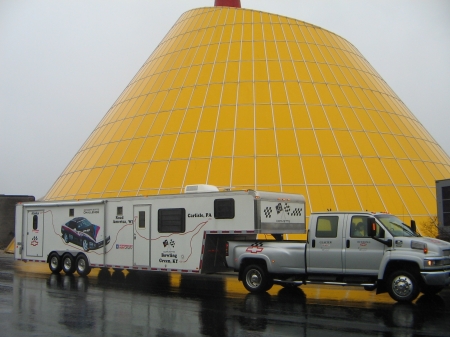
64,63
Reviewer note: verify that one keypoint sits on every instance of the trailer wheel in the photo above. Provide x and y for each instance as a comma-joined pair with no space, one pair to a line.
85,245
403,286
68,264
54,263
83,268
255,279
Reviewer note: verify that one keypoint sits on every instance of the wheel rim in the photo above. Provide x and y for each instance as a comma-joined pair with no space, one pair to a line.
402,286
81,265
54,262
67,264
254,278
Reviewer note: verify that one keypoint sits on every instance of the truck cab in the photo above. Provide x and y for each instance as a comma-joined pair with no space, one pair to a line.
373,250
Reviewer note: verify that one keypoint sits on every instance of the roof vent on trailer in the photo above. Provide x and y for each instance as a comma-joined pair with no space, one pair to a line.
200,188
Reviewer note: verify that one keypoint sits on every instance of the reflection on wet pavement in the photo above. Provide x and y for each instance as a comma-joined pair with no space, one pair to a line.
122,303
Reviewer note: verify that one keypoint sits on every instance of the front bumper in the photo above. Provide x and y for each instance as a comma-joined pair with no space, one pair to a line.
436,278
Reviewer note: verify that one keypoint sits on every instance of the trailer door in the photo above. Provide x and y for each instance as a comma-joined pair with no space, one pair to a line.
35,232
141,232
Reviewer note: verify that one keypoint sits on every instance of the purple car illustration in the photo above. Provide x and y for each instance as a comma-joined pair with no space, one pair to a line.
83,233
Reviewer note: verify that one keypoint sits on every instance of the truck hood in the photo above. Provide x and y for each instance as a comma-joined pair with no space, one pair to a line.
435,247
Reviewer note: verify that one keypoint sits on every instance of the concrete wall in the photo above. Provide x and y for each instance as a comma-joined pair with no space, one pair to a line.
7,216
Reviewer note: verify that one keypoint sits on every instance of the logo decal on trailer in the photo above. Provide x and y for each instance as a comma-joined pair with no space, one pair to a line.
34,241
171,242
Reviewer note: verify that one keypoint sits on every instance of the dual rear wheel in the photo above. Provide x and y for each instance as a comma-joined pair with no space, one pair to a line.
256,279
69,264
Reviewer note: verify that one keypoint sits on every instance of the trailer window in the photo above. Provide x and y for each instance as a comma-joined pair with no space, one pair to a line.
171,220
35,222
141,219
119,210
71,212
224,209
327,227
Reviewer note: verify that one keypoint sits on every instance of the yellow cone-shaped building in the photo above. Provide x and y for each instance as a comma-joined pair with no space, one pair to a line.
244,99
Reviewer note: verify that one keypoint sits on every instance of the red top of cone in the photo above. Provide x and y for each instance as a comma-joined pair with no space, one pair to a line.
228,3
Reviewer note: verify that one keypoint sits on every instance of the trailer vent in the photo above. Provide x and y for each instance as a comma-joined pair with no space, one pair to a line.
200,188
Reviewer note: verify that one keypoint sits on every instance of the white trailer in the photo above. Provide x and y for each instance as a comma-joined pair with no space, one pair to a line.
181,233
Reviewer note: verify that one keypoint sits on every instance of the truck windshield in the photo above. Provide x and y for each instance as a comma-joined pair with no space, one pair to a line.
395,226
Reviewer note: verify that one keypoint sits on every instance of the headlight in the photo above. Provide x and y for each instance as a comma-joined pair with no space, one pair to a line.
436,262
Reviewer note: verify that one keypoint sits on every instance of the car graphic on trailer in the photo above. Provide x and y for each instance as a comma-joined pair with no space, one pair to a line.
83,233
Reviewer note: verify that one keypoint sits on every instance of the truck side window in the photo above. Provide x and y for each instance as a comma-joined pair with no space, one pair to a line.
171,220
327,227
358,227
224,209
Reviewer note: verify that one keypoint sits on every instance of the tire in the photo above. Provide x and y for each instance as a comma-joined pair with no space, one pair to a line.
403,286
85,245
431,290
66,238
255,279
269,283
54,263
82,265
68,264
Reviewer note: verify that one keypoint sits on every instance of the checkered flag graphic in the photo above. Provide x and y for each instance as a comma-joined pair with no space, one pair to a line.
297,212
279,208
287,208
268,212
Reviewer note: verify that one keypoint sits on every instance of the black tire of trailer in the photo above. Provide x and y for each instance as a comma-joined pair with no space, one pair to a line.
403,286
82,265
256,279
54,263
68,264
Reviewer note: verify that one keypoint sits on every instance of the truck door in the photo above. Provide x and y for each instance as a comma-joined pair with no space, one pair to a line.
141,235
35,232
363,255
325,245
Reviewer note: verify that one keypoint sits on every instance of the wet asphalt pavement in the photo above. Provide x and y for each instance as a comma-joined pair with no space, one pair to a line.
114,303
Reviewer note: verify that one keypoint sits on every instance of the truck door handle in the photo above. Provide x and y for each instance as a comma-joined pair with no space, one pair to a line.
313,243
348,243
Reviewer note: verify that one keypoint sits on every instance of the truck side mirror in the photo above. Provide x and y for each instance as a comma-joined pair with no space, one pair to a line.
371,227
413,226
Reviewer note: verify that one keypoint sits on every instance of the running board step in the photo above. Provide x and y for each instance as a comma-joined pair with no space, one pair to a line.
299,283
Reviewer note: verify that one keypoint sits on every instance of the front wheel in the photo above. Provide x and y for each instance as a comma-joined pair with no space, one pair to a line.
403,286
83,268
256,279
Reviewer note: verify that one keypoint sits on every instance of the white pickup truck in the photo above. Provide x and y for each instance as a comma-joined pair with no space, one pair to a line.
376,251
